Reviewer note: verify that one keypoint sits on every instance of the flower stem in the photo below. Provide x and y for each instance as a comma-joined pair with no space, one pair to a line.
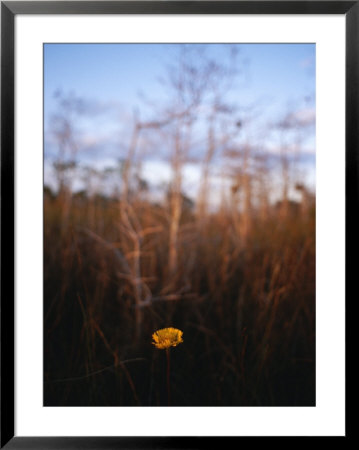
168,376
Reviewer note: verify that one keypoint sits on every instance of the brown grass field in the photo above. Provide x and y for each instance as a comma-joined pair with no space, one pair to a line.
241,288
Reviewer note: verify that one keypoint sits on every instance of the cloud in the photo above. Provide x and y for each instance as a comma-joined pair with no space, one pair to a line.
307,63
301,118
305,116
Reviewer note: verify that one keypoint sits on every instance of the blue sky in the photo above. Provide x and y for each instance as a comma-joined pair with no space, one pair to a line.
274,81
277,73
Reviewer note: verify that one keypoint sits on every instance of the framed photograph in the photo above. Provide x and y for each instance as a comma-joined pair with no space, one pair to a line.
176,181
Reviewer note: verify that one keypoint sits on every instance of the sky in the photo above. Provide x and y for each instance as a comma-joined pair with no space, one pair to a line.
274,82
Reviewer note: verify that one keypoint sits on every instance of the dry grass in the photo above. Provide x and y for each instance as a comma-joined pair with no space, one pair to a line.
246,306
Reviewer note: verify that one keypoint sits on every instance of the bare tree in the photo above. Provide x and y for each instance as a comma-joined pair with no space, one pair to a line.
131,230
65,163
293,129
196,101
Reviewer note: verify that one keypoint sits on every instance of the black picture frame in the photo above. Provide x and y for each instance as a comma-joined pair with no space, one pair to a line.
9,9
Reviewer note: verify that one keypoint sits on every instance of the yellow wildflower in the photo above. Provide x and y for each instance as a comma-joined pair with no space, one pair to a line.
167,337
